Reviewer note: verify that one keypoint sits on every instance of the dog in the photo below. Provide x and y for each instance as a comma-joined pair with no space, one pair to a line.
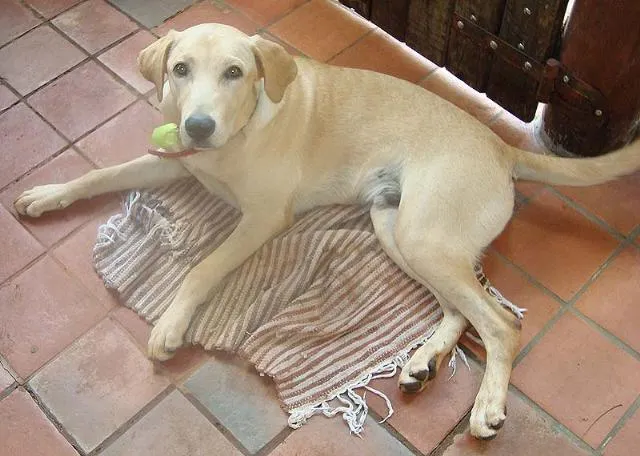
276,136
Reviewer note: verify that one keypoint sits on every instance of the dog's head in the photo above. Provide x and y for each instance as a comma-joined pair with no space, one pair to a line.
214,73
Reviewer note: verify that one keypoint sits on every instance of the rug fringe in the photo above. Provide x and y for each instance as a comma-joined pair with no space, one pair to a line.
354,407
151,216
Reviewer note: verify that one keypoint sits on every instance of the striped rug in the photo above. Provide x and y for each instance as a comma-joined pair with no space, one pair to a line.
320,309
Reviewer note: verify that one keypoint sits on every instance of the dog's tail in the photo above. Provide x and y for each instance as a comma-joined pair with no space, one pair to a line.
576,171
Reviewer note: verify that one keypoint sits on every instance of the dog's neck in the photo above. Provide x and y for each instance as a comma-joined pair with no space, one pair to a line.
264,112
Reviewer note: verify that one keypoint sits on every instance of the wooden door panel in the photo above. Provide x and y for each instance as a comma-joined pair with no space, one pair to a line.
533,28
391,16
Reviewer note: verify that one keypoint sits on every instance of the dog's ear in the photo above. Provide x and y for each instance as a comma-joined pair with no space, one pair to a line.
275,65
152,61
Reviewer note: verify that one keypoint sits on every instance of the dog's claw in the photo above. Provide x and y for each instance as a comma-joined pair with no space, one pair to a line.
432,369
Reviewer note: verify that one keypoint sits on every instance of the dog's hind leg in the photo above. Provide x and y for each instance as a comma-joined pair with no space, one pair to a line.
453,324
449,212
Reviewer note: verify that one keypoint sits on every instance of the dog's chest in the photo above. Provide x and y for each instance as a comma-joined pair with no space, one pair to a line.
210,182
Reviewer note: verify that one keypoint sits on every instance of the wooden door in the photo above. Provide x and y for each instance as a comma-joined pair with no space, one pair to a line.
458,34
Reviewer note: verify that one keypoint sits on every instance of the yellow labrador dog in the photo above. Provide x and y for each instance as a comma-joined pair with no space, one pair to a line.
278,135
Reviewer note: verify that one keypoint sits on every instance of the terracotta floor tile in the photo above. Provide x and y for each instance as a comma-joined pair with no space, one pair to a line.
555,244
44,309
290,49
53,226
627,440
122,60
447,86
323,436
26,141
25,429
37,57
173,427
19,248
98,384
124,137
133,323
576,374
512,130
525,433
240,399
473,346
49,8
529,189
94,25
516,288
91,95
426,418
208,12
338,27
15,20
6,380
380,52
612,300
7,98
75,253
186,360
617,202
266,11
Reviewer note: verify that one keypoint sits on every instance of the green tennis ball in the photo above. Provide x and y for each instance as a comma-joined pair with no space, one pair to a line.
166,136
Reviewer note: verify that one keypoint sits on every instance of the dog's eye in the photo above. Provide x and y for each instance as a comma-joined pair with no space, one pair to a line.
180,69
233,72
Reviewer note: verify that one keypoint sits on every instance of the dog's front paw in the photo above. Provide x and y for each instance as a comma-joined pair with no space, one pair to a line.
42,199
166,337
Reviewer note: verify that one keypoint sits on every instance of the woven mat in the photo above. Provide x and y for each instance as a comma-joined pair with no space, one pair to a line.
320,308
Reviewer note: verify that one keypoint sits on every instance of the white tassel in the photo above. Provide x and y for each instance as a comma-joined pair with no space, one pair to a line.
457,351
517,311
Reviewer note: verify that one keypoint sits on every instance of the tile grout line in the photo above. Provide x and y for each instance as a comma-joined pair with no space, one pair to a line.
394,433
4,365
556,423
566,306
493,119
365,35
89,57
633,408
279,17
370,32
214,421
539,336
587,214
270,446
605,333
48,250
531,279
54,420
26,380
448,440
139,415
159,365
43,19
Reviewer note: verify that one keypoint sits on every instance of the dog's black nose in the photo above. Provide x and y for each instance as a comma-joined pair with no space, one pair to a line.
199,126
